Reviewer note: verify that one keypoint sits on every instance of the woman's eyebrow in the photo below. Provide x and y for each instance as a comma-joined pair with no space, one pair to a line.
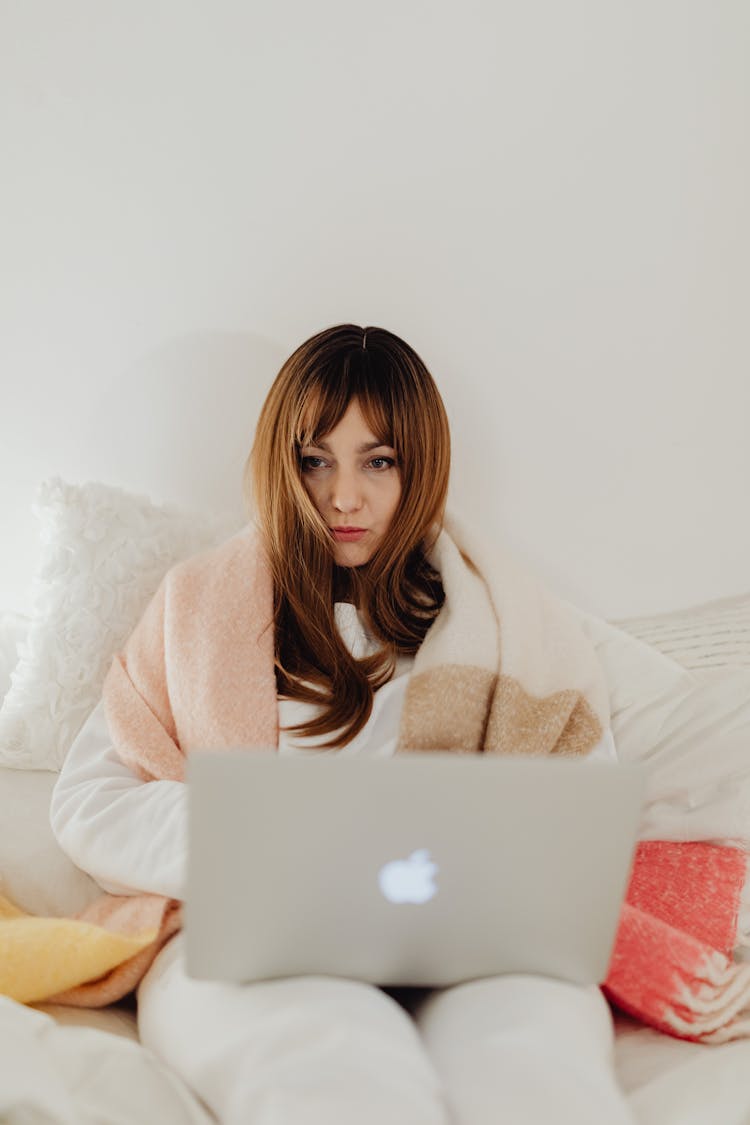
360,449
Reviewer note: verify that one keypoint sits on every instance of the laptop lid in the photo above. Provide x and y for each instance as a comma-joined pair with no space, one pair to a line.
423,869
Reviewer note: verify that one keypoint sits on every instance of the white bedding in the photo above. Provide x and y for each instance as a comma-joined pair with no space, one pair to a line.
672,1082
62,1064
85,1067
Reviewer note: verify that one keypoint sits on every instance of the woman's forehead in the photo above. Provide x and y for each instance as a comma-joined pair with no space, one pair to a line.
321,418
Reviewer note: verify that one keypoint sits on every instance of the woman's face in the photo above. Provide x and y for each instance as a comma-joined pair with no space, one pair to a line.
355,484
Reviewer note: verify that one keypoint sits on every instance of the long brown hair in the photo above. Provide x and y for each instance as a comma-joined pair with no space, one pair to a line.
397,591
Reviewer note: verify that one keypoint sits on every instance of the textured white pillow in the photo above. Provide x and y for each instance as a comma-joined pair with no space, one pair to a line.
13,628
713,635
104,552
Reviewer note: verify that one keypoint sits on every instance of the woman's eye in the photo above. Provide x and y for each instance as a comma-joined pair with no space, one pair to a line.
310,463
379,464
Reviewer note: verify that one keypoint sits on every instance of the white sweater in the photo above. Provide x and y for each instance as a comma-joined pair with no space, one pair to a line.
131,835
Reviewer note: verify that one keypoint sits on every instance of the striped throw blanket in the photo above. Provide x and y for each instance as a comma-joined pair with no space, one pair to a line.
506,668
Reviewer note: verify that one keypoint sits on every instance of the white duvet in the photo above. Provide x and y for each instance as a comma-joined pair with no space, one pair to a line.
693,729
71,1074
89,1069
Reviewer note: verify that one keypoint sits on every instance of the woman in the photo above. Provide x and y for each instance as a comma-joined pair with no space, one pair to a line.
349,472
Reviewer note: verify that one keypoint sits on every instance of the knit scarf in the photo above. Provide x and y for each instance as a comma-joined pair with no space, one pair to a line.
505,668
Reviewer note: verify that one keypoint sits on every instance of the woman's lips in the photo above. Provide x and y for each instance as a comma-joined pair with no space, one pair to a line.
348,534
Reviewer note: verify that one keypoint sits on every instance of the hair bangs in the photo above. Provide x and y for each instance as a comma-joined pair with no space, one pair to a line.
327,398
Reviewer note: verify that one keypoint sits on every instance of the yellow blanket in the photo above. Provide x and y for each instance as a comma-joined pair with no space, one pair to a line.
51,958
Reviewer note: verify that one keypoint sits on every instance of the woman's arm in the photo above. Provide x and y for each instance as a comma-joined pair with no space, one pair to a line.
128,834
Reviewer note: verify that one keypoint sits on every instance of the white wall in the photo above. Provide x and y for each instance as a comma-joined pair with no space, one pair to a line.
549,201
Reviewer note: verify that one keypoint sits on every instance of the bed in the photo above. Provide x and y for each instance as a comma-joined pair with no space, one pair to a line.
679,681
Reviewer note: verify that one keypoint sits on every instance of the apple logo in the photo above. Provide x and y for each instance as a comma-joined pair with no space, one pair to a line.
409,880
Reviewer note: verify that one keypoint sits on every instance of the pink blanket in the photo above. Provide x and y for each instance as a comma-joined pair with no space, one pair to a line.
505,669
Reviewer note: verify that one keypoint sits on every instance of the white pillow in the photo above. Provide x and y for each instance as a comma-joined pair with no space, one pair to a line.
35,873
13,627
692,729
713,635
104,552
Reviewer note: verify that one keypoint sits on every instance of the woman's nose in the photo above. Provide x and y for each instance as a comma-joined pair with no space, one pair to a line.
346,495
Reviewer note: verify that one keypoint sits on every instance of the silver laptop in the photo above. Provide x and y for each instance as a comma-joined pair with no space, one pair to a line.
424,869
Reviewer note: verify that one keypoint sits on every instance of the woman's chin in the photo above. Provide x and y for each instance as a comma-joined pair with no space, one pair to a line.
352,554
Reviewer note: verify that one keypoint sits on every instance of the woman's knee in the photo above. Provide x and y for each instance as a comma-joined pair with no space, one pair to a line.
342,1041
491,1039
516,1004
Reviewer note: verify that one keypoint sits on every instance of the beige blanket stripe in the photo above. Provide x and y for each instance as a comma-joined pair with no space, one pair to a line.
514,699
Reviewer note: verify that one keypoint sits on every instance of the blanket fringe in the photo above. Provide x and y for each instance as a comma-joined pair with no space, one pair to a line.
738,1029
711,1010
